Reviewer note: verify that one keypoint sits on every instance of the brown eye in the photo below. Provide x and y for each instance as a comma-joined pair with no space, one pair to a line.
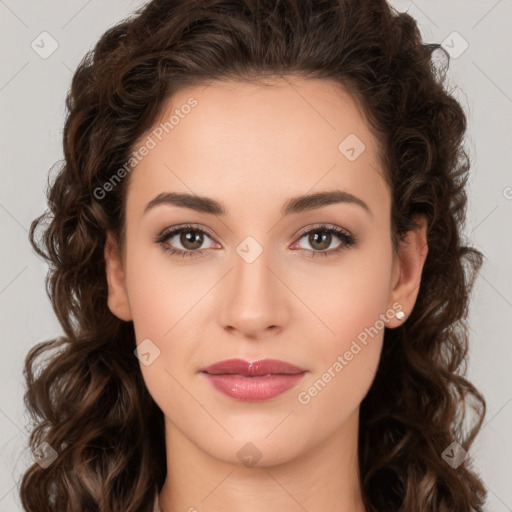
191,240
320,240
185,241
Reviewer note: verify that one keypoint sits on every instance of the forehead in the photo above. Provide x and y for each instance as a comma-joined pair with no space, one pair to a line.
280,137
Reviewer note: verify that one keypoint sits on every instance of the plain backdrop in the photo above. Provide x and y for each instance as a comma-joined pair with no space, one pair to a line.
33,86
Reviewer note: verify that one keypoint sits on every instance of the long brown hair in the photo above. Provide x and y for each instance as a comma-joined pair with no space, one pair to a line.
85,391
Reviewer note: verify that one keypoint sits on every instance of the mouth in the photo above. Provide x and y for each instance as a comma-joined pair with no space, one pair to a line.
259,368
253,381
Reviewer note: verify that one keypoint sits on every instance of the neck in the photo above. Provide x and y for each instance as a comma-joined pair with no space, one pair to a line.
325,477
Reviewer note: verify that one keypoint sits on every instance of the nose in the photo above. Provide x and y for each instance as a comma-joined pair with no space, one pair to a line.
254,303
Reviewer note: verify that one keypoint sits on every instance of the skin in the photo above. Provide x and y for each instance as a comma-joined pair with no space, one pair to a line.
252,147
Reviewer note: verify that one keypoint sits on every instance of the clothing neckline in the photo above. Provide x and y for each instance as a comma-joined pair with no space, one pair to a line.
156,506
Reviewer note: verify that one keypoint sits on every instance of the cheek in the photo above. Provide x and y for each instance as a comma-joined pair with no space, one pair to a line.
344,365
351,300
350,296
159,314
163,302
160,292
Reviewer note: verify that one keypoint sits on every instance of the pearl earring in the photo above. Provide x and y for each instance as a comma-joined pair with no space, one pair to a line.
400,315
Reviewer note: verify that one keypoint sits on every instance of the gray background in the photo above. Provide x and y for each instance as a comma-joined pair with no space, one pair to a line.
32,93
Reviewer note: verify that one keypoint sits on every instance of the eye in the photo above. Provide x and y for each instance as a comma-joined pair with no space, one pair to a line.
189,237
320,238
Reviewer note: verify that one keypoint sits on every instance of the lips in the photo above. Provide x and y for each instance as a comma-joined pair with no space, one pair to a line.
253,381
252,368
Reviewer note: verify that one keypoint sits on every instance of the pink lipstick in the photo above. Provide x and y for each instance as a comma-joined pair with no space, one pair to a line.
253,381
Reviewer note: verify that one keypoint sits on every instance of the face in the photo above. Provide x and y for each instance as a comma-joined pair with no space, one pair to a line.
305,282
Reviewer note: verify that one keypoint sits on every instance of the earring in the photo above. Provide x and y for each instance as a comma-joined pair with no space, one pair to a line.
400,315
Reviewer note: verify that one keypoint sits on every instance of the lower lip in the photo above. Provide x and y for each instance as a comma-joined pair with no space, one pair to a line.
252,389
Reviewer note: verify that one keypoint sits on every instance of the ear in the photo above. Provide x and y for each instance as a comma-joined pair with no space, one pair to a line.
407,269
117,295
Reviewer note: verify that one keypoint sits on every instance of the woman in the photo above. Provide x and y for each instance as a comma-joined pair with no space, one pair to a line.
256,257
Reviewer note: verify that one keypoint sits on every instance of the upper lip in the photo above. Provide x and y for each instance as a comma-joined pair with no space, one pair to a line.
252,369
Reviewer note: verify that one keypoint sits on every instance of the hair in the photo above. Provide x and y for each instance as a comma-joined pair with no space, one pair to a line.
87,398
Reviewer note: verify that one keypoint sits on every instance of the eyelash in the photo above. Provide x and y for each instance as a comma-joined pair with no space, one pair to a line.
346,238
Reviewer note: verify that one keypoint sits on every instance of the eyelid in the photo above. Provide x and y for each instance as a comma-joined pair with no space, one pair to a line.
300,234
183,227
323,225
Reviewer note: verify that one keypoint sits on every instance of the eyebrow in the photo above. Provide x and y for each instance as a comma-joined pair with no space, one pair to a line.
294,205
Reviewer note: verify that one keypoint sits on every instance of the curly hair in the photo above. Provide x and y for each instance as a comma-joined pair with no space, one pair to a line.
87,398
